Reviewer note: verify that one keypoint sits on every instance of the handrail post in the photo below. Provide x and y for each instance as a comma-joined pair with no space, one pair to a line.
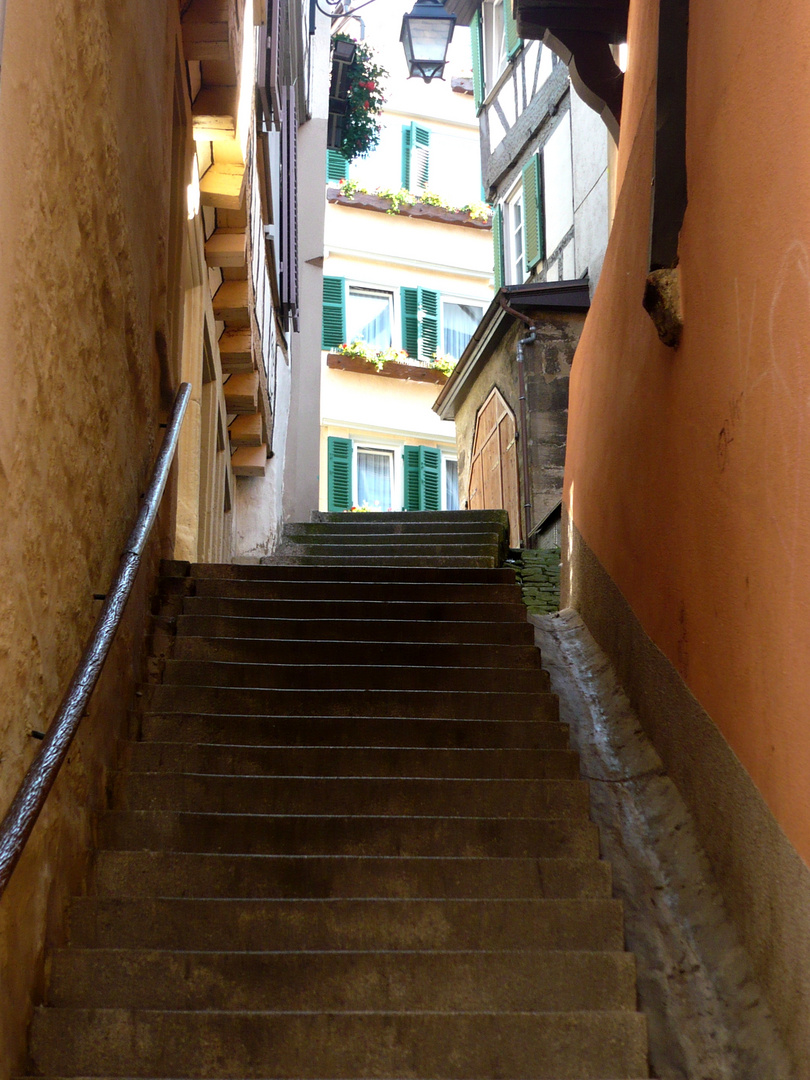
27,804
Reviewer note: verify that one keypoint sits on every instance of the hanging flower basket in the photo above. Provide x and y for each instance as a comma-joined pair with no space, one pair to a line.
355,102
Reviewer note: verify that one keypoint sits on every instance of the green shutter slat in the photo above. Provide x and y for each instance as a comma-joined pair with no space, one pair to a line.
497,245
420,158
510,30
407,138
532,212
334,312
430,476
337,167
339,473
477,60
411,472
428,324
409,304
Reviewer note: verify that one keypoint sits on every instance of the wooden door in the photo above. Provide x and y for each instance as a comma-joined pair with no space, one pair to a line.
494,483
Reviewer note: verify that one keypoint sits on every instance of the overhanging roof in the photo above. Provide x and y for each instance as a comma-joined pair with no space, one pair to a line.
462,9
545,296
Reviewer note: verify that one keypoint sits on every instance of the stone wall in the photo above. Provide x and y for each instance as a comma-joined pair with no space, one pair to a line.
547,370
86,373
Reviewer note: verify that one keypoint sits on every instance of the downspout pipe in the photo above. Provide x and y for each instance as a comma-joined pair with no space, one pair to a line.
528,339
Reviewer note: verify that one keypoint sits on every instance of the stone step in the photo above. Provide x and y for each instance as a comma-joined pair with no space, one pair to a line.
443,517
387,591
386,630
242,925
462,705
439,576
247,760
264,834
344,653
357,563
317,535
400,525
368,610
354,731
397,797
314,675
287,982
290,877
391,547
203,1045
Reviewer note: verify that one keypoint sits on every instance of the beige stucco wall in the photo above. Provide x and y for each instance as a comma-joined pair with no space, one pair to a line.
85,159
379,411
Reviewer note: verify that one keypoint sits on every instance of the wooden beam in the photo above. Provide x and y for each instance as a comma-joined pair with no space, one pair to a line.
249,460
246,430
214,113
225,248
223,186
235,352
242,393
208,30
231,303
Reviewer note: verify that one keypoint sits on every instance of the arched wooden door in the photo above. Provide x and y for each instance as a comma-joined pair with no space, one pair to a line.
494,483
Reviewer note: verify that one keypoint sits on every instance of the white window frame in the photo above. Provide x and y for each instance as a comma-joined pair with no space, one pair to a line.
377,290
514,261
445,459
466,300
377,446
494,42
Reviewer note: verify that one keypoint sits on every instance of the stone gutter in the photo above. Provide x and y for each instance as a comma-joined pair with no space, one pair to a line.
707,1018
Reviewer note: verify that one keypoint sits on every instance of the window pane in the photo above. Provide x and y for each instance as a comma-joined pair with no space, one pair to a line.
460,321
451,485
369,317
374,479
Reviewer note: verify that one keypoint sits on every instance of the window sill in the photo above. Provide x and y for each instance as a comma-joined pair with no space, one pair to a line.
427,212
392,370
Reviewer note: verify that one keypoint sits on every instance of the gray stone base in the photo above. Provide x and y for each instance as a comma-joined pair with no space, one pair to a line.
764,882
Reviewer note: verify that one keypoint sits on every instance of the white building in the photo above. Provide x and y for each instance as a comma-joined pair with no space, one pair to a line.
417,281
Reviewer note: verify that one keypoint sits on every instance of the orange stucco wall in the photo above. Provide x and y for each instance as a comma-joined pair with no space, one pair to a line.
688,471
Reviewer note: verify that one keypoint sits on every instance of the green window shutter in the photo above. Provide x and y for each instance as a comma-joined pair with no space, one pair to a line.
477,60
430,477
420,158
334,312
420,322
533,212
497,244
409,302
411,478
429,325
337,167
510,30
415,157
422,474
339,473
407,138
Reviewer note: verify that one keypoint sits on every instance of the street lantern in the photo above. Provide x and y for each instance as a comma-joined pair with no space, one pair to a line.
426,34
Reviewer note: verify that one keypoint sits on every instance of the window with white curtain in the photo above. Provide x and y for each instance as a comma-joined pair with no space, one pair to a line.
375,477
450,484
369,316
459,320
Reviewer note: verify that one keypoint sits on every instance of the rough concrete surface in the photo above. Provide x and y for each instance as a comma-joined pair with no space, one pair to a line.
708,1020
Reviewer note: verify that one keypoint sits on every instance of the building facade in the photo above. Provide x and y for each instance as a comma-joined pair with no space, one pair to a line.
407,277
148,209
686,487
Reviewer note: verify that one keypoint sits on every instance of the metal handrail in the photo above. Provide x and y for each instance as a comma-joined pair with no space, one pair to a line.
42,772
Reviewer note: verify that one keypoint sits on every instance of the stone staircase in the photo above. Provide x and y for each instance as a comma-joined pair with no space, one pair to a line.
350,839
